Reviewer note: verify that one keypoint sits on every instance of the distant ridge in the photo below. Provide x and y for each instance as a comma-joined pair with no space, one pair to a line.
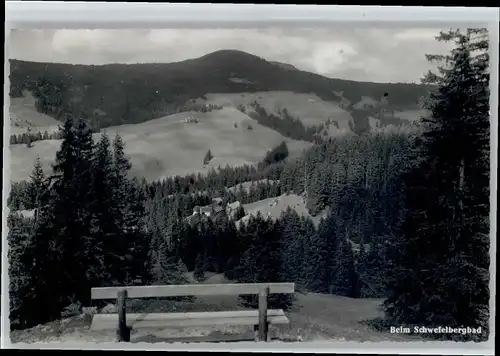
116,94
284,65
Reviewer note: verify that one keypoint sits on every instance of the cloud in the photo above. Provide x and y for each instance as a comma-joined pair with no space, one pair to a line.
357,53
416,34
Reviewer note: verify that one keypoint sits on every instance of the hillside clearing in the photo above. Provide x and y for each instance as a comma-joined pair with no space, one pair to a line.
169,146
309,108
411,115
312,110
274,207
314,317
23,115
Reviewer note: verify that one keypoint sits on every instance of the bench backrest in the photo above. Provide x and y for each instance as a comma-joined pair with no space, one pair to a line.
192,290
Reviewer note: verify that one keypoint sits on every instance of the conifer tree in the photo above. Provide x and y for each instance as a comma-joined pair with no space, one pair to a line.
129,200
208,157
239,213
292,269
83,181
372,269
346,279
227,243
23,297
261,262
62,228
200,266
105,265
121,168
35,194
135,235
440,262
321,257
167,269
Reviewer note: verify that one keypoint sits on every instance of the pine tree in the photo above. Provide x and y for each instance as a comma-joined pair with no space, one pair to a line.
239,213
208,157
308,236
372,269
68,222
200,266
295,245
104,256
121,168
346,279
54,234
83,181
227,236
440,263
23,295
35,194
129,200
261,262
135,235
167,269
321,257
209,241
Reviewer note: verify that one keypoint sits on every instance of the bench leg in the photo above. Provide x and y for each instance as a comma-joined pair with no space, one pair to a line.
263,322
257,334
123,331
123,334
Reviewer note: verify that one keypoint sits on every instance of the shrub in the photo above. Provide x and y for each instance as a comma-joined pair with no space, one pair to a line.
109,309
208,157
72,310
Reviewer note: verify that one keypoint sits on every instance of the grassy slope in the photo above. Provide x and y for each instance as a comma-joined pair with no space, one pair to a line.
309,108
23,114
115,94
169,146
314,317
274,207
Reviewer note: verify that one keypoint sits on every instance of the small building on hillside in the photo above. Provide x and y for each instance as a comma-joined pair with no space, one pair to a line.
217,209
196,210
217,201
232,208
209,210
191,119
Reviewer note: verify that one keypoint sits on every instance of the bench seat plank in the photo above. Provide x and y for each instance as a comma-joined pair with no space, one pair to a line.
158,291
179,320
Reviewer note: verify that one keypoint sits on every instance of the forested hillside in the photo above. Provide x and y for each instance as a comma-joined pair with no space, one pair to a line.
118,94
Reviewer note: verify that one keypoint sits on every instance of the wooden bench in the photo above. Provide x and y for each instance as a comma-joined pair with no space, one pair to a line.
260,319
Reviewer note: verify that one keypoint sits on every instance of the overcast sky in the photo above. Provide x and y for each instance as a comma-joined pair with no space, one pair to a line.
365,54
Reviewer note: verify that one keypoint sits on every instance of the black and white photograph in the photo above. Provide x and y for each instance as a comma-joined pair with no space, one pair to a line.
265,185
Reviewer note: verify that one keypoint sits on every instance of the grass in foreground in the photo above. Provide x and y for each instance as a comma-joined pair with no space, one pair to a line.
314,317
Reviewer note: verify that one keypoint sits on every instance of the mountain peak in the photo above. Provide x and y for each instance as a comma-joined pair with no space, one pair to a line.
225,53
